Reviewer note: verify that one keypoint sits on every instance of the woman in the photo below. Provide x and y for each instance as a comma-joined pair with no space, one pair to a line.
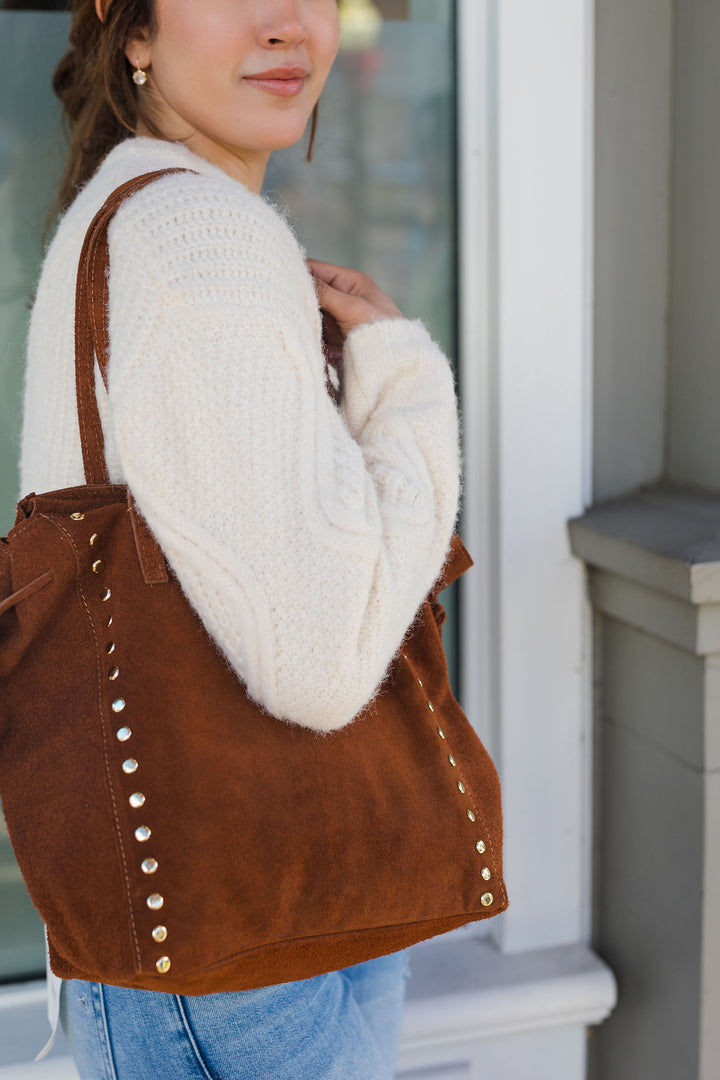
305,527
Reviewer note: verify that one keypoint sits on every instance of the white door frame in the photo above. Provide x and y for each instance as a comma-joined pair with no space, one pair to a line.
526,161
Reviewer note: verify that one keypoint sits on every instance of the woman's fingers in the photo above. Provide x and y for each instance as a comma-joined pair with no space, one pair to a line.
351,297
347,310
340,277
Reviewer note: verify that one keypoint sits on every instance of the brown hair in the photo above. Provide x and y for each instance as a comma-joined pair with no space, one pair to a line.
93,81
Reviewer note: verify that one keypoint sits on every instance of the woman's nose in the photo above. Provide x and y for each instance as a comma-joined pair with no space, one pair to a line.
281,22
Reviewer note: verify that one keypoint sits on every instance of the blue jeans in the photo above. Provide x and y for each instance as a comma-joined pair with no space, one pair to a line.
341,1026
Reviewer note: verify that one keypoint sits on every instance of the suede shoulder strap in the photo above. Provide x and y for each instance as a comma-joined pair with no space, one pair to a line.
91,324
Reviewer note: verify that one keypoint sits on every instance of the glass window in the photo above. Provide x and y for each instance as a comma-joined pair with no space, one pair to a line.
31,156
379,195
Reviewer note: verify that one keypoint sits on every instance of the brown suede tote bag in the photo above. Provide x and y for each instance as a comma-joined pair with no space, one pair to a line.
173,835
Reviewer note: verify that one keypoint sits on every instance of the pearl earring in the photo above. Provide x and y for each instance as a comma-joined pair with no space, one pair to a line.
139,77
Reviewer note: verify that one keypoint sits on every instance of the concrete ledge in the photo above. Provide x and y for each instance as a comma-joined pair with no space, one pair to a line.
663,537
61,1068
461,991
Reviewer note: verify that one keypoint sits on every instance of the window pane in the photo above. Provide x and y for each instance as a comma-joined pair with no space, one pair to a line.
380,192
379,195
31,156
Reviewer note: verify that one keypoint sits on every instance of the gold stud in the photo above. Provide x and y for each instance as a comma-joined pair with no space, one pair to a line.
94,539
142,834
163,964
105,595
430,706
485,873
136,800
110,648
452,760
159,933
471,815
419,682
123,734
480,846
486,899
130,766
98,566
110,621
113,674
77,517
118,704
149,866
441,733
155,901
461,787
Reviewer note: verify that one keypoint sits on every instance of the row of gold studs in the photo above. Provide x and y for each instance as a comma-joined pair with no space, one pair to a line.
123,734
487,898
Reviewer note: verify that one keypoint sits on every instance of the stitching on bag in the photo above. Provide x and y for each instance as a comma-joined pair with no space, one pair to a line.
85,435
22,526
473,804
131,189
478,814
91,295
108,770
91,290
185,1021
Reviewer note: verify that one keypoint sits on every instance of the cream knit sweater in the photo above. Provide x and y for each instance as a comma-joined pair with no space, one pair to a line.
304,533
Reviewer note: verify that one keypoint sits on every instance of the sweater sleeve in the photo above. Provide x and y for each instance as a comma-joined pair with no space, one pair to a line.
304,534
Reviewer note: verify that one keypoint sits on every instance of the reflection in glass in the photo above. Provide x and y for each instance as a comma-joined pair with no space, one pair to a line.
31,158
379,194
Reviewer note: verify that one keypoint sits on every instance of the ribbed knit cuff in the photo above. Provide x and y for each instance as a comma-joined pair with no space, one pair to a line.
376,354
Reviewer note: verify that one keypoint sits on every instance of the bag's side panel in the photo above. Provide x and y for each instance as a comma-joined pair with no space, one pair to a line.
474,769
52,753
8,620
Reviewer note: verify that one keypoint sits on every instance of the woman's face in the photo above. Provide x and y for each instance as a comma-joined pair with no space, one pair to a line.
205,59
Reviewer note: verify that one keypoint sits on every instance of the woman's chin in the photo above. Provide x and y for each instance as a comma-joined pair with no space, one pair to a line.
278,137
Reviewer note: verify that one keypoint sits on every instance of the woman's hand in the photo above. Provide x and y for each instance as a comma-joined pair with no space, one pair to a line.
348,298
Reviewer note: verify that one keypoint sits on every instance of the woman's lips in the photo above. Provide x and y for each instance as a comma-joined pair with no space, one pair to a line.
275,83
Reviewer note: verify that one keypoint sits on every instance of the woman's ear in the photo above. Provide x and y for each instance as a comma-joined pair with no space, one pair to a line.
137,53
100,6
137,50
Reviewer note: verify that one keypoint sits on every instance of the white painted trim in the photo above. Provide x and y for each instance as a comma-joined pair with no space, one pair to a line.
526,115
23,995
471,992
56,1069
586,897
476,304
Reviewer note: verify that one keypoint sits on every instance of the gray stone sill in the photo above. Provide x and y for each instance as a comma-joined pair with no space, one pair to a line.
463,991
654,557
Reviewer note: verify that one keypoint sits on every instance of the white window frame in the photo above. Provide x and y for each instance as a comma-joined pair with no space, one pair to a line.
526,145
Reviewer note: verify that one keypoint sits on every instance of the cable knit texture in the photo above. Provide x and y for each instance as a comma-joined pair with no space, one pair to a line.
304,533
